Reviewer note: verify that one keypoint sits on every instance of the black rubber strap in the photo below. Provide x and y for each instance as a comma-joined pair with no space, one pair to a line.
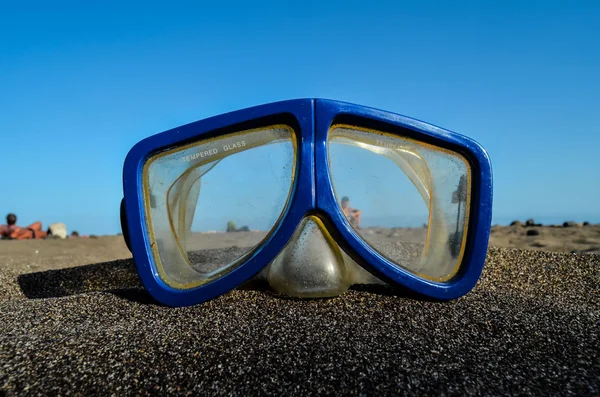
124,227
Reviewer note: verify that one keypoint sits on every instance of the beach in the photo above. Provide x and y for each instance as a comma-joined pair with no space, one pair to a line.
575,238
74,320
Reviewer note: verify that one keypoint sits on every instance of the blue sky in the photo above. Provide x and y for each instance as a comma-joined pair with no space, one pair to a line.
80,84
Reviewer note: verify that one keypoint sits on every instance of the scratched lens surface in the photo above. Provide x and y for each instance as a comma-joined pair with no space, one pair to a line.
210,204
407,199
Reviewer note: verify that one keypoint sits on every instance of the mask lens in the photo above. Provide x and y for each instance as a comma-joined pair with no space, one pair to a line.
211,203
412,198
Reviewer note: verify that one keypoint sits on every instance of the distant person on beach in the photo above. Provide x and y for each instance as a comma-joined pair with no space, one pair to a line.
11,231
75,234
352,214
6,230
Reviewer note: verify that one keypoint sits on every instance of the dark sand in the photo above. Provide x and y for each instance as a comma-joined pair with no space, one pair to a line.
75,321
578,239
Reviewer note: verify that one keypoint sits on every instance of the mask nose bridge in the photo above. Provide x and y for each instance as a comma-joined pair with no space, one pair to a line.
357,273
312,264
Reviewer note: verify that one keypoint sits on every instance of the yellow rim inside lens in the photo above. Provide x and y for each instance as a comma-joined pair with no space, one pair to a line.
430,205
146,191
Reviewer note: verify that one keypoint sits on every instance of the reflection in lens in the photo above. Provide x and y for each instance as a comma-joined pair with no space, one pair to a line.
211,203
408,200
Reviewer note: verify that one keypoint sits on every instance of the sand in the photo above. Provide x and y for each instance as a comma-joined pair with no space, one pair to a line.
74,320
575,239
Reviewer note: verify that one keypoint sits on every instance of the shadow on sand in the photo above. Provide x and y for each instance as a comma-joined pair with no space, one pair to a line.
118,277
121,279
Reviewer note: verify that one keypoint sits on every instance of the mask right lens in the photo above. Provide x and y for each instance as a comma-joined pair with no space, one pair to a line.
407,199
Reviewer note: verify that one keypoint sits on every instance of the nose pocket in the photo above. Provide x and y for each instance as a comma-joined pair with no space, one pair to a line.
311,265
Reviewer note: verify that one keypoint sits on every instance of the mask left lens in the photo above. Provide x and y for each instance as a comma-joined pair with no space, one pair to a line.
210,204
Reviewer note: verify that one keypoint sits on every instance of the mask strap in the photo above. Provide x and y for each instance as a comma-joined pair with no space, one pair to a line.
124,227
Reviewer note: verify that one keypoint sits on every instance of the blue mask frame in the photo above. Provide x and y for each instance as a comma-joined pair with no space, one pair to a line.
312,194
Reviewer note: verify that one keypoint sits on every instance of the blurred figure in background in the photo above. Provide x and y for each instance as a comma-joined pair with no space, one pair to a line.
11,231
6,230
352,214
57,230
